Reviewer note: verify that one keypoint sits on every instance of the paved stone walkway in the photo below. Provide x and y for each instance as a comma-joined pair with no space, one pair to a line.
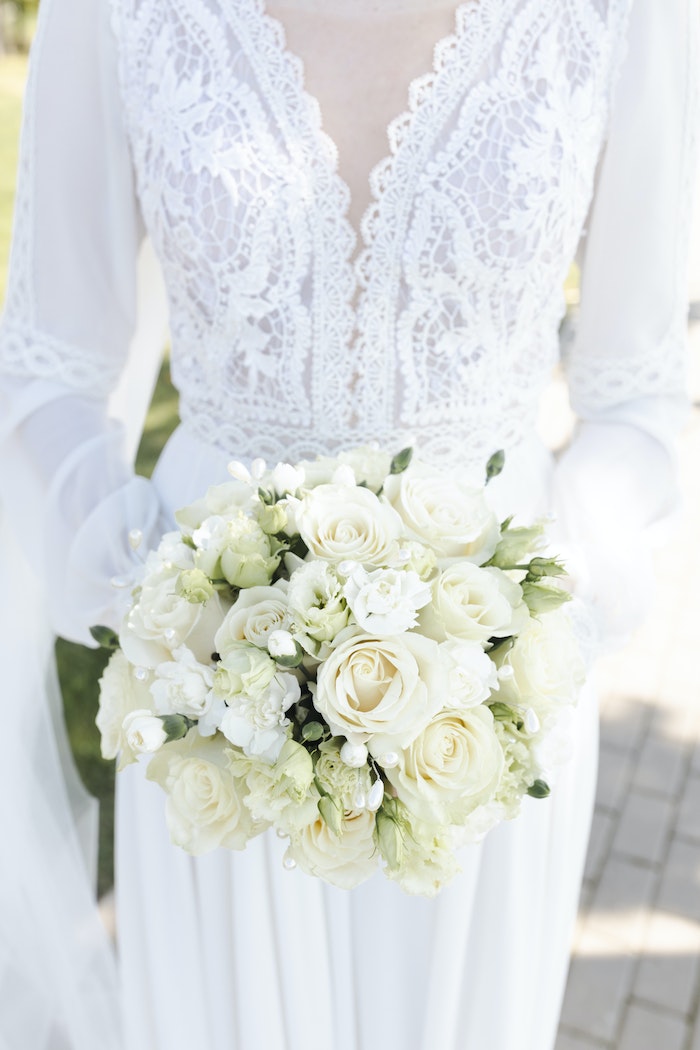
634,982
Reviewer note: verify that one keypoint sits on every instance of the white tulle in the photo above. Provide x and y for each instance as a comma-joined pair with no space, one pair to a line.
508,157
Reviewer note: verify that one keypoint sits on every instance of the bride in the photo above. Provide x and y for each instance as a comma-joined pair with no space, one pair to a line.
313,308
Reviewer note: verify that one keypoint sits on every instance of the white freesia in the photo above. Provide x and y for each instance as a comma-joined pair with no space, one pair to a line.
183,686
206,803
339,522
121,692
453,766
473,675
317,609
444,512
144,732
380,691
344,860
257,723
475,604
386,601
256,612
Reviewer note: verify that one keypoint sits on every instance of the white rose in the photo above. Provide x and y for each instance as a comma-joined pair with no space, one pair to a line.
316,607
162,620
121,692
380,690
344,860
258,723
472,673
144,732
452,767
475,604
183,686
206,803
339,522
546,662
386,601
450,516
256,612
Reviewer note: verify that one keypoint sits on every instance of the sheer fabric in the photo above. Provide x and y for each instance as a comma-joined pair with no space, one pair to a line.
545,125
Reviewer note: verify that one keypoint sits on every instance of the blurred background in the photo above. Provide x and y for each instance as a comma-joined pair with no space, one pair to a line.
635,977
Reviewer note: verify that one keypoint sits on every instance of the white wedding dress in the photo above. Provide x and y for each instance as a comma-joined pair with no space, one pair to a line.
547,126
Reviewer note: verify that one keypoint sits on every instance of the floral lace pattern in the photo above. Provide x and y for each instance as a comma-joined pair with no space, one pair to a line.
444,330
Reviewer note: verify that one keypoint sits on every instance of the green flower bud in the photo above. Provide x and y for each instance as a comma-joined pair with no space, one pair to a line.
495,465
401,461
105,637
272,518
195,586
175,726
332,814
543,597
389,837
539,789
540,567
516,544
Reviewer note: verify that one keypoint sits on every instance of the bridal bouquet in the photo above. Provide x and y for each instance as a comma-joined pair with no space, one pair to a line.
353,651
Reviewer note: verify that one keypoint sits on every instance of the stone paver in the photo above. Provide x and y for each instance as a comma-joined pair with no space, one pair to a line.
634,982
646,1029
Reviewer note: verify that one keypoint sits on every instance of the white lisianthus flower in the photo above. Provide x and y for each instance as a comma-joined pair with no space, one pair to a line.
452,766
183,686
236,549
144,732
282,793
380,691
546,663
340,523
416,557
244,669
386,601
258,723
428,862
256,612
450,516
206,802
222,501
473,603
344,860
121,692
473,675
161,620
316,608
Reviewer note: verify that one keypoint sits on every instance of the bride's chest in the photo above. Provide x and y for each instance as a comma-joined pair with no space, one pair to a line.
489,164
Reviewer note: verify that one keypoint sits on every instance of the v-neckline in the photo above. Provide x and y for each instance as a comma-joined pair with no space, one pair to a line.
418,90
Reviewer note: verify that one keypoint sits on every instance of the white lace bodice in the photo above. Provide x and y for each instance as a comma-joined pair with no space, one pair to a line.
441,327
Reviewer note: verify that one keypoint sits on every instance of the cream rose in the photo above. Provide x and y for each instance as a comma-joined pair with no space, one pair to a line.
253,616
344,860
474,604
450,516
121,692
546,662
453,766
347,522
206,803
380,690
162,620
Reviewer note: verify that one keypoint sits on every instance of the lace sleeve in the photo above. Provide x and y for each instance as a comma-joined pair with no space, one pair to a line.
626,365
66,480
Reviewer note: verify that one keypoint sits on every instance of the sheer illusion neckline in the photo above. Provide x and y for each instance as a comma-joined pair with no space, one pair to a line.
416,93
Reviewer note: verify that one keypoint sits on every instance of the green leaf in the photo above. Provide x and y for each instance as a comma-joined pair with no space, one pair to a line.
105,637
495,465
401,461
